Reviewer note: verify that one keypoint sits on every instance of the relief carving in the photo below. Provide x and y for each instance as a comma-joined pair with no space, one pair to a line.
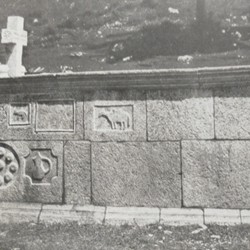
41,166
19,114
117,118
9,165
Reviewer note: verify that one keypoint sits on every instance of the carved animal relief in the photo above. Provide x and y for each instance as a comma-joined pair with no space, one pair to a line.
116,118
19,114
9,166
41,166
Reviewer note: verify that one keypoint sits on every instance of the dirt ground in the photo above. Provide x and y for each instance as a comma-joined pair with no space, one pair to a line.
80,35
93,237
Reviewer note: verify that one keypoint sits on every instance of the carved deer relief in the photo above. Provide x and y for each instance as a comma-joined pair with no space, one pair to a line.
117,120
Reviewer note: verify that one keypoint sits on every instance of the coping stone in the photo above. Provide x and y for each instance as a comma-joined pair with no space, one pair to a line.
132,215
181,216
222,216
19,212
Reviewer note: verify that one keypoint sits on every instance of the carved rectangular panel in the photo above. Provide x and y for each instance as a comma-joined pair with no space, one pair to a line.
114,118
31,171
19,114
55,116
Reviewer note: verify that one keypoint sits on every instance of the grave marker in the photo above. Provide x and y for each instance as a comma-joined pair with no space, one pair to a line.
17,37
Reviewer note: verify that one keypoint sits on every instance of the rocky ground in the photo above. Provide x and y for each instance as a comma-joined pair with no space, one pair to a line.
93,237
79,35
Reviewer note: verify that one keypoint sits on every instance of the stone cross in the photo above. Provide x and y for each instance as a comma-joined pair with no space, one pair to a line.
17,37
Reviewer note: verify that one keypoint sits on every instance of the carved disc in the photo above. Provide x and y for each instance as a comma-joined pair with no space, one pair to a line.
9,166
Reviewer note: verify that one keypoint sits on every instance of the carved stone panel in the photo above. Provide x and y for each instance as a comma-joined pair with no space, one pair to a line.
19,114
31,171
9,166
55,116
115,116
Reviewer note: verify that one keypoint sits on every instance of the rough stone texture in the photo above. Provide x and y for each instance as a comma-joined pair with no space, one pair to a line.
181,216
67,213
216,174
38,174
41,117
77,172
245,216
232,119
136,174
222,216
180,114
132,215
19,212
115,116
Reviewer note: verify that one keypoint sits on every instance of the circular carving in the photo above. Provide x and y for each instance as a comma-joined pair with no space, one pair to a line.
8,166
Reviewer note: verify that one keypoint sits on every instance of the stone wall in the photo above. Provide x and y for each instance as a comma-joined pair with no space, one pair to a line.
157,139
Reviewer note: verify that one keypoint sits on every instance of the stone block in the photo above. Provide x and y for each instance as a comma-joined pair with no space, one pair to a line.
180,114
31,171
132,215
181,216
77,172
115,116
19,212
232,121
53,214
43,117
91,214
136,174
245,216
222,216
216,174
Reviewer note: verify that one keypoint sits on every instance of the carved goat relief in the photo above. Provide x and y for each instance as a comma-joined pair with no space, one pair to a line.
116,117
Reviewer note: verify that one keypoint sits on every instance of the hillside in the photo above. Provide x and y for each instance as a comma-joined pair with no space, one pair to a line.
79,35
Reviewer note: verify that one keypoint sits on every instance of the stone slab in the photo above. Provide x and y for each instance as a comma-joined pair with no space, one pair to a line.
31,171
115,116
52,214
245,216
136,174
180,114
222,216
41,117
216,174
181,216
19,212
232,119
132,215
77,172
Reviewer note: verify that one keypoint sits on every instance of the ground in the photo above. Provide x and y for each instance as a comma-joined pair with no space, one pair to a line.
93,237
79,35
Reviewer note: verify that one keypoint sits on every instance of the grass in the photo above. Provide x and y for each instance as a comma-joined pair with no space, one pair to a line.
75,237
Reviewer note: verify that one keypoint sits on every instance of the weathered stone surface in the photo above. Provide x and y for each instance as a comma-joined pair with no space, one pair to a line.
136,174
180,114
222,216
31,171
232,119
216,174
245,216
181,216
115,116
77,172
19,212
132,215
67,213
43,117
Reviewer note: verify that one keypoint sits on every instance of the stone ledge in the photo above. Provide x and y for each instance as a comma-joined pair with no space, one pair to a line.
222,216
132,215
19,212
89,214
181,216
129,79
